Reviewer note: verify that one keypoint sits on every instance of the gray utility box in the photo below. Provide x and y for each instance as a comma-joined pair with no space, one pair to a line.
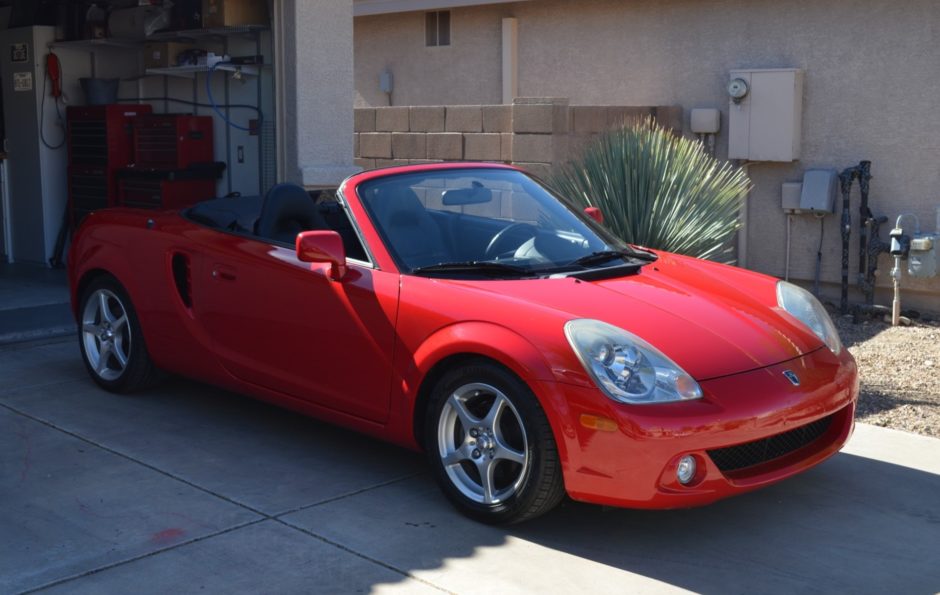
818,194
922,260
764,124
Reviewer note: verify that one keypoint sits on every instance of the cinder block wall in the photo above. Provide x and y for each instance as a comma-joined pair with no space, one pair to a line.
533,133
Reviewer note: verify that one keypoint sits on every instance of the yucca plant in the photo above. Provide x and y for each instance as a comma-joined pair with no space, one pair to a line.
659,190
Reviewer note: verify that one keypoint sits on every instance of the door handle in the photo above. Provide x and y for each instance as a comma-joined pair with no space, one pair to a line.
223,273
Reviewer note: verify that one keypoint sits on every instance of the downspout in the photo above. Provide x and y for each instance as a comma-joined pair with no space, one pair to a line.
510,59
279,47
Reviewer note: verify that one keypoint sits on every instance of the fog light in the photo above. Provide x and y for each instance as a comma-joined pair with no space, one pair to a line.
685,471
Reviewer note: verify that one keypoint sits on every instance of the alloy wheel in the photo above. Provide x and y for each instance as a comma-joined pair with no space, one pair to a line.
482,443
106,334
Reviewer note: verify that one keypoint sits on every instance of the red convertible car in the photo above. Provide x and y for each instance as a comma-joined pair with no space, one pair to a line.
467,311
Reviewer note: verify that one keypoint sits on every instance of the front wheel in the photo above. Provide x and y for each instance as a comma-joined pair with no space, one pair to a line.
491,447
111,342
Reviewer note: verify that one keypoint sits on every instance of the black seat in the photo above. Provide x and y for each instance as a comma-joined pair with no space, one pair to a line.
288,210
238,214
410,229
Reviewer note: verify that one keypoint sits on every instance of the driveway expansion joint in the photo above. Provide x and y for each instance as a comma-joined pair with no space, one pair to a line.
345,495
92,571
362,556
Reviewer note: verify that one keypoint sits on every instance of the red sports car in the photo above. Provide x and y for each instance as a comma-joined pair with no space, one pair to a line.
466,310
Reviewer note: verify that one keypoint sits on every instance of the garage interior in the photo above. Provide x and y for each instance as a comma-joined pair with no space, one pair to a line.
137,103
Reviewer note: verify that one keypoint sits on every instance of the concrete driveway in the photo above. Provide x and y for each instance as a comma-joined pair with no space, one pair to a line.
188,488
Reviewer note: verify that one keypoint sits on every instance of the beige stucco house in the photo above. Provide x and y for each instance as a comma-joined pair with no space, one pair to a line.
871,89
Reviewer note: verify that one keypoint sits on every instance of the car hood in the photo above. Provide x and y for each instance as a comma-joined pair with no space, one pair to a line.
710,319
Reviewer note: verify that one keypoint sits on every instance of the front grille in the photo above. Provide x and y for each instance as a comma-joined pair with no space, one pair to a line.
753,453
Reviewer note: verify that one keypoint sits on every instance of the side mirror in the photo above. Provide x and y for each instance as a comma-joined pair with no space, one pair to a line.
595,214
323,246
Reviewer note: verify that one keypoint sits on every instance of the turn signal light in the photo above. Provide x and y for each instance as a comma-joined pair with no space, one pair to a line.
595,422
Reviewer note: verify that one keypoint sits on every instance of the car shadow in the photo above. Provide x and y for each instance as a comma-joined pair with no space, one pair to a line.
853,525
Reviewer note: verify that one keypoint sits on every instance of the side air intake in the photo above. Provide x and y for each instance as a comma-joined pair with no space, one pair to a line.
183,279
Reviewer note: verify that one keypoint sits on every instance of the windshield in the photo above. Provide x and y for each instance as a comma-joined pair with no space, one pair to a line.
484,222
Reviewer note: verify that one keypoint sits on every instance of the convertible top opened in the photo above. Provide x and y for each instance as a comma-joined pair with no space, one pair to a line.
467,311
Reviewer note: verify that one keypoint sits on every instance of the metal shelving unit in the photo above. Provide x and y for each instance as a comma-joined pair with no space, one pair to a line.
192,71
185,35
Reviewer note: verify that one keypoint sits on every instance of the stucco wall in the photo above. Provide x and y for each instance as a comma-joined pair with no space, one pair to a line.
872,88
463,73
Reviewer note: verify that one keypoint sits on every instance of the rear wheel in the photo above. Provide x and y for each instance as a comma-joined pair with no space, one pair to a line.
111,342
491,447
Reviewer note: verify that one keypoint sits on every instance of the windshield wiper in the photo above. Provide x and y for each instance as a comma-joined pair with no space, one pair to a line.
605,255
489,268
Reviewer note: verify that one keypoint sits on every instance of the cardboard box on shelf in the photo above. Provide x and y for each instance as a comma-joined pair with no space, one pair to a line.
163,55
226,13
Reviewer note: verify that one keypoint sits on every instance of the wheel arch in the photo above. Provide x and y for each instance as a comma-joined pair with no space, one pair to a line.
88,277
457,344
430,380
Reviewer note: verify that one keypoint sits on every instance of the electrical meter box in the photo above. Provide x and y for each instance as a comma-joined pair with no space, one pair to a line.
765,114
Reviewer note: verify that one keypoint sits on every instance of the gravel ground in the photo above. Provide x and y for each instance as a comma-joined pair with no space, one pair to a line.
900,369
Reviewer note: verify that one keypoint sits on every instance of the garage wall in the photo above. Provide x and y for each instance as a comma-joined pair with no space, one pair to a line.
127,64
872,89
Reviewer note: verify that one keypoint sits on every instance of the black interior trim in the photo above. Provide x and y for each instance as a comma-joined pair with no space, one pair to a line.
239,215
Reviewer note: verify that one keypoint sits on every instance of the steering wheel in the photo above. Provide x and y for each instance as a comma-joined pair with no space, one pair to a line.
495,247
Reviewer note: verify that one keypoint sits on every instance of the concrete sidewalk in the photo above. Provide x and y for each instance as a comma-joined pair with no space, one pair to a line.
187,488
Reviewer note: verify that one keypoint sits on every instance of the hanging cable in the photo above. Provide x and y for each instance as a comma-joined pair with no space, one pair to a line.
822,232
215,106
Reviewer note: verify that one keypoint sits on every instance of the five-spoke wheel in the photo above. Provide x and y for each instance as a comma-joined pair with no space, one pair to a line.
110,338
482,443
490,445
106,334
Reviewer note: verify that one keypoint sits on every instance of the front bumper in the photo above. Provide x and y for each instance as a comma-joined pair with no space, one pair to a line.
632,462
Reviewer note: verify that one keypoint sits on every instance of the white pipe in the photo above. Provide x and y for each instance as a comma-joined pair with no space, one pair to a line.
510,59
896,304
5,203
786,266
742,216
280,32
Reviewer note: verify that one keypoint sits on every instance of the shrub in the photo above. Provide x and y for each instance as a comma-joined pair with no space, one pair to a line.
659,190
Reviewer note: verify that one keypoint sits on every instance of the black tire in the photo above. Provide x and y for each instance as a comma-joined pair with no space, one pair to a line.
519,490
118,341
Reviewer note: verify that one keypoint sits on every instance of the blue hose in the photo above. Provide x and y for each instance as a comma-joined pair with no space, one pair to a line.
215,106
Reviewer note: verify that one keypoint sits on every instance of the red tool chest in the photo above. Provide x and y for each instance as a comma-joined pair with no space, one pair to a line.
100,142
172,141
124,155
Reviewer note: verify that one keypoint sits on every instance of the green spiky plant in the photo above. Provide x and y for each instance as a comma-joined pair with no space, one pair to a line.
659,190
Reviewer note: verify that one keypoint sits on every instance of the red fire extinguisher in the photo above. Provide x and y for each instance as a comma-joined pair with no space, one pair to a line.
54,72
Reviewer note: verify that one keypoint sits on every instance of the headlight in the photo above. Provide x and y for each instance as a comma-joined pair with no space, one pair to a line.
627,368
803,306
